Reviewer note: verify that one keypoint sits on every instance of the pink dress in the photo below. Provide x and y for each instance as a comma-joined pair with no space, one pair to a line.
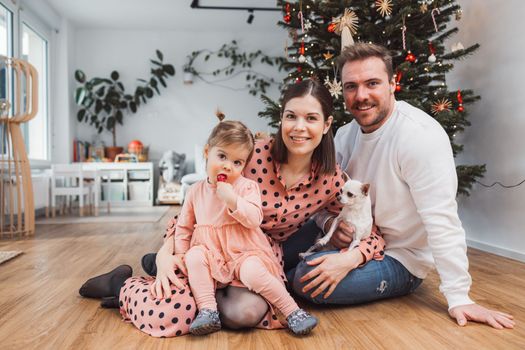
228,237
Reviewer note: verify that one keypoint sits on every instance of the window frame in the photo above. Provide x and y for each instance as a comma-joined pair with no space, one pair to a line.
20,16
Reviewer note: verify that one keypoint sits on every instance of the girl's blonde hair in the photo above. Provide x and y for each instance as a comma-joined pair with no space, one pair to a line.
231,132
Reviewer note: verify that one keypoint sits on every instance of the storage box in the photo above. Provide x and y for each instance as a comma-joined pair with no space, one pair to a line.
139,191
114,192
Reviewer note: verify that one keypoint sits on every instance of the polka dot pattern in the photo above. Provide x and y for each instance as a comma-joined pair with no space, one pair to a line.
285,209
158,318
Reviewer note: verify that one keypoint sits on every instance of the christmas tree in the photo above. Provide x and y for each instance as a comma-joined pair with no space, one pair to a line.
414,31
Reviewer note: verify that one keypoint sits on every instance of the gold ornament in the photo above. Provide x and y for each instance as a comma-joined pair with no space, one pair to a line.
384,7
335,87
328,55
459,13
348,19
423,8
440,106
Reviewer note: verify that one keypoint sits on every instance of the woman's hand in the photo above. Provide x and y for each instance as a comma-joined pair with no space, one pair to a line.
167,263
342,236
330,270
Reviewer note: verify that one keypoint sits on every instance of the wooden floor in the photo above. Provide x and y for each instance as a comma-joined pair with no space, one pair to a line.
40,307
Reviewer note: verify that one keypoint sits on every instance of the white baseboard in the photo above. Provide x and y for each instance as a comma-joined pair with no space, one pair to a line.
508,253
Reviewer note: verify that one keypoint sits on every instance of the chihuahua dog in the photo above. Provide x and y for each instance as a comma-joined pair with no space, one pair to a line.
356,213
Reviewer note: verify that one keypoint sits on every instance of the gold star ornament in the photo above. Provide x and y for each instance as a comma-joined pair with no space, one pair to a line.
384,7
441,105
328,55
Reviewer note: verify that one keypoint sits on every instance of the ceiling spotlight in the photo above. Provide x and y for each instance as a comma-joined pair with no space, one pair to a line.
250,17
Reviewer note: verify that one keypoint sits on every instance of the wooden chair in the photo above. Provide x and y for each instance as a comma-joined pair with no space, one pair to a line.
71,181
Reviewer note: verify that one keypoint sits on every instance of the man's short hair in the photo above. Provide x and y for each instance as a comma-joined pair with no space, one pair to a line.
361,51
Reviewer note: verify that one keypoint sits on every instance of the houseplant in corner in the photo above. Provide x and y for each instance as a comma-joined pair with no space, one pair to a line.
104,102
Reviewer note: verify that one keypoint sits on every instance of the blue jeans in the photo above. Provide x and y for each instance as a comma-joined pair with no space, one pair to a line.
375,280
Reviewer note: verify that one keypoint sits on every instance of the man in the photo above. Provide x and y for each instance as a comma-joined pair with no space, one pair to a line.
406,157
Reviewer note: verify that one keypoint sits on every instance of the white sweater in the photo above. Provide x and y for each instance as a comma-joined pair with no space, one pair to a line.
409,163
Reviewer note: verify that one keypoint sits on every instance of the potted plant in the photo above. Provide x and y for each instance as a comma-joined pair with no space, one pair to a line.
103,101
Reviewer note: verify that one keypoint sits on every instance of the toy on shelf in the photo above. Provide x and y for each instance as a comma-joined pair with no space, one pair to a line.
136,147
171,166
126,158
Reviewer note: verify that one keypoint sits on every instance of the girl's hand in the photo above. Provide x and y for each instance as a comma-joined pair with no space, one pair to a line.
166,266
226,193
330,270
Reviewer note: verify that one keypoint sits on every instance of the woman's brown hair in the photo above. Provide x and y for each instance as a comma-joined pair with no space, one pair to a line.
324,153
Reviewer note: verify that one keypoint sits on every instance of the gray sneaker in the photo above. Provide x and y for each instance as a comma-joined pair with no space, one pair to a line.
207,321
301,322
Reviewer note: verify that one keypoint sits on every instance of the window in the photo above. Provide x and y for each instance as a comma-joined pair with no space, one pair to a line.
34,51
6,31
24,36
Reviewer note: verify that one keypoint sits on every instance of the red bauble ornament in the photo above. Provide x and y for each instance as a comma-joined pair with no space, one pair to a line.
331,27
399,74
410,57
460,102
287,17
299,69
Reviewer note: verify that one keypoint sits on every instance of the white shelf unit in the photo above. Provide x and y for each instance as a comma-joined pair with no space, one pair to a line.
127,184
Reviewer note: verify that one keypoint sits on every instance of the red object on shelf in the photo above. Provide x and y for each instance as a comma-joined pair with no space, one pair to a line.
135,147
331,27
222,178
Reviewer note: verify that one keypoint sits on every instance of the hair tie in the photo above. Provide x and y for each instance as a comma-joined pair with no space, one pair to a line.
220,115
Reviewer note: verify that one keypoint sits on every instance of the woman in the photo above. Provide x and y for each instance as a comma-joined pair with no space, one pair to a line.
297,176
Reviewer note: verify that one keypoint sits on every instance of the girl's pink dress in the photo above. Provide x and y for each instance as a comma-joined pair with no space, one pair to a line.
228,237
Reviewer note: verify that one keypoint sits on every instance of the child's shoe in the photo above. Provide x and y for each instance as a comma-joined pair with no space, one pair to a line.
207,321
301,322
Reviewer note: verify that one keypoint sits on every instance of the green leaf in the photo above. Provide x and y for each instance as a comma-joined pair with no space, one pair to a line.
133,107
156,62
110,123
80,76
168,68
114,75
81,114
149,92
98,106
153,82
100,92
161,79
80,94
160,55
96,81
119,117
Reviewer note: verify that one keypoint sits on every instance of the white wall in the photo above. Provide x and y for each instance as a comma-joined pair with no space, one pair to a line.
184,114
493,218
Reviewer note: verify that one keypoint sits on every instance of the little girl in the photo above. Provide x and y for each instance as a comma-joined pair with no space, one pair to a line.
218,233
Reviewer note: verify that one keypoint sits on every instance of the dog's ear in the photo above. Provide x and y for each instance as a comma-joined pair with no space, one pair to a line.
345,176
364,189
